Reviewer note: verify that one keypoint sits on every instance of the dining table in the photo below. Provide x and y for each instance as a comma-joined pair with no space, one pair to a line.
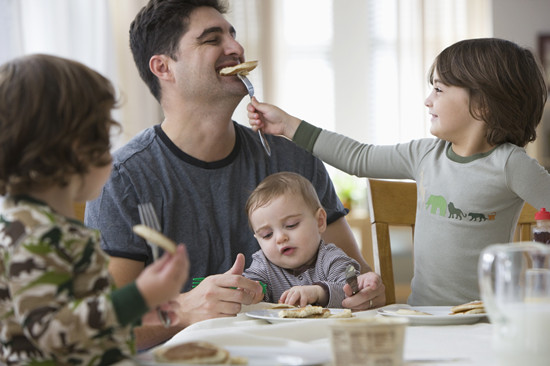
264,341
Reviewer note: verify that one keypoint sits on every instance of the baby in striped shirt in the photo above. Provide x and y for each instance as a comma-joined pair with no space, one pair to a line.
297,266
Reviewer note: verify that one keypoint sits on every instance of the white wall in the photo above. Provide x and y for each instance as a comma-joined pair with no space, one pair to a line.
522,21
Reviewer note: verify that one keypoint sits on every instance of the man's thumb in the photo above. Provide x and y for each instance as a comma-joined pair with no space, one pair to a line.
238,266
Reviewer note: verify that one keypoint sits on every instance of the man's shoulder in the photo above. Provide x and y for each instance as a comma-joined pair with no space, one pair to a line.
136,145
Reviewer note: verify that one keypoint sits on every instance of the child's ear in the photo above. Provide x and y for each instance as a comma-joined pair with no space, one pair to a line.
321,216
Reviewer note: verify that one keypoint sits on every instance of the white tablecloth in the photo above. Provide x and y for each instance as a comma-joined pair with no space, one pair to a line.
262,342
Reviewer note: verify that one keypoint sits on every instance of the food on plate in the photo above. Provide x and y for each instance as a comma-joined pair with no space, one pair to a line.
197,353
472,307
283,306
345,313
242,69
305,312
155,237
411,312
313,312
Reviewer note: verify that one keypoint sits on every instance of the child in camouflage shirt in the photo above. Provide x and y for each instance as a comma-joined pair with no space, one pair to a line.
58,304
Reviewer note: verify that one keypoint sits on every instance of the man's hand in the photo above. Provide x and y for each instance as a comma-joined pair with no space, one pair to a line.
219,295
371,293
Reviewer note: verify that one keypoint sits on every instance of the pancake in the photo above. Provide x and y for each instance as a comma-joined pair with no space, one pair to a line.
305,312
472,307
155,237
193,353
243,68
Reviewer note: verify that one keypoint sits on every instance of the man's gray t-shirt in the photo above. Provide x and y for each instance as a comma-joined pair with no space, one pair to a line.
200,204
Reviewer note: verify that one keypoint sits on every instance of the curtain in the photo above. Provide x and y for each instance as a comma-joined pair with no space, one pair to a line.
359,66
94,32
356,66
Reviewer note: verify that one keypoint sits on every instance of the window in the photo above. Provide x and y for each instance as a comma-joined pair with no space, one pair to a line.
357,67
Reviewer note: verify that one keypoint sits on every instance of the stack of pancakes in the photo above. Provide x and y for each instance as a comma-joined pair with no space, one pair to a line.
472,307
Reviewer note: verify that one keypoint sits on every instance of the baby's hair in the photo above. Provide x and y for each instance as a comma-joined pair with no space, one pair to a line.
505,83
55,122
279,184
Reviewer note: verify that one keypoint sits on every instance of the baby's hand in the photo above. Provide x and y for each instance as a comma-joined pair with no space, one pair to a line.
271,119
304,295
371,293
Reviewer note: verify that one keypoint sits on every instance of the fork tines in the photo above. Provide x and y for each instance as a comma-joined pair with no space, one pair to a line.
148,217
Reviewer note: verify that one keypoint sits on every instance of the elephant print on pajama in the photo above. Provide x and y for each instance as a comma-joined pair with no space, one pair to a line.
437,205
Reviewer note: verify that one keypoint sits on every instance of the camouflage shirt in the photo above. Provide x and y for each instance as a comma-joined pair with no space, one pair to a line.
58,304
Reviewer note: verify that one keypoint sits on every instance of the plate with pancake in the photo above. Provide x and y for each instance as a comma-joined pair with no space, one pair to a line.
251,356
435,315
283,314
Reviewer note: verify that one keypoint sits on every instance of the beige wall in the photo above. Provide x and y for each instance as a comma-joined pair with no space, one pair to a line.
522,21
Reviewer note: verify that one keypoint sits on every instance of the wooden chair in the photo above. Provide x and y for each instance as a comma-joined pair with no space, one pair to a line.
393,203
525,223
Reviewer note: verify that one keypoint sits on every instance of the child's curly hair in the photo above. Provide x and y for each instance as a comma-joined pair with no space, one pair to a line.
55,122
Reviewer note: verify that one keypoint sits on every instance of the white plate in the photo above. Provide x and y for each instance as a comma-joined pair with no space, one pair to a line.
259,356
440,315
272,315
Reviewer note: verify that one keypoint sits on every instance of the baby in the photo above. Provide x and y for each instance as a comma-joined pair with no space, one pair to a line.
287,219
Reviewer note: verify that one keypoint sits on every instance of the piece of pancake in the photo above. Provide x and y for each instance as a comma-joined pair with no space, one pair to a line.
468,308
155,237
345,313
243,68
305,312
199,352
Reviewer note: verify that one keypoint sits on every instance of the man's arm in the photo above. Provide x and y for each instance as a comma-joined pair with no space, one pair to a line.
216,296
371,289
123,272
340,234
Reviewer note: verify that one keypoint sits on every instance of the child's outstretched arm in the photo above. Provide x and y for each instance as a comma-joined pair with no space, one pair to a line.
271,119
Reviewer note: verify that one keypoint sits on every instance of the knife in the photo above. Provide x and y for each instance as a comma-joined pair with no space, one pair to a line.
351,279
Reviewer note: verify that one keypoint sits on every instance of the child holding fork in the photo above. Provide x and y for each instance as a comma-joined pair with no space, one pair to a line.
472,179
297,266
58,304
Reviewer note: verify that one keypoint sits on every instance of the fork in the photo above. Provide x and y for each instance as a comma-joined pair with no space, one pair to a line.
250,89
148,217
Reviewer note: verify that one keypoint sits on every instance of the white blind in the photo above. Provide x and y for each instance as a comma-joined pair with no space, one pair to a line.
358,66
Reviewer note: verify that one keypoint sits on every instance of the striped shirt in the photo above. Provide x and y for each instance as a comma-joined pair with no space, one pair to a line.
328,271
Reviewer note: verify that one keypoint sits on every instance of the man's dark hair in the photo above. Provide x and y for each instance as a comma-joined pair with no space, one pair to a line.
157,30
